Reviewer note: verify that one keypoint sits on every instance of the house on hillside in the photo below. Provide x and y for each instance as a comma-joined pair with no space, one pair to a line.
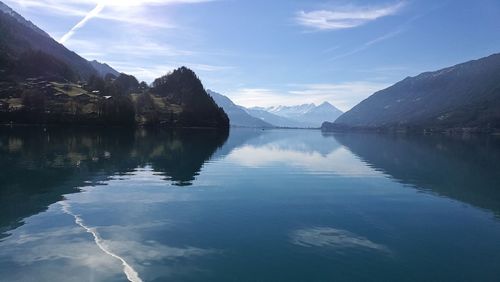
83,98
62,97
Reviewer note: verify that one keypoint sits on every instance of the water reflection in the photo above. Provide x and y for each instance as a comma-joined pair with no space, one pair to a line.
39,165
464,168
336,239
302,149
277,205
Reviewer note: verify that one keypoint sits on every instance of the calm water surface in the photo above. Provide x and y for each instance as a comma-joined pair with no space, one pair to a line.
251,205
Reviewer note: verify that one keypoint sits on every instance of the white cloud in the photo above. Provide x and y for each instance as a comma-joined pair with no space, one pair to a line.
342,95
345,17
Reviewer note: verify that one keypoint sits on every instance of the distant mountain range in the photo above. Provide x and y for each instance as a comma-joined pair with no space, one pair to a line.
304,116
238,115
273,119
465,96
301,116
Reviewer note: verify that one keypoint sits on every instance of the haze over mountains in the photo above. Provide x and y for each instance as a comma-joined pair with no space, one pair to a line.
463,96
238,115
301,116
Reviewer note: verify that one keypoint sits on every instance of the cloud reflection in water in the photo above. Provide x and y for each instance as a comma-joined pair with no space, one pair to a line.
338,239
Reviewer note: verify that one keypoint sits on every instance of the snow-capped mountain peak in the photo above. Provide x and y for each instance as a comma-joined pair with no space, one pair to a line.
306,115
291,111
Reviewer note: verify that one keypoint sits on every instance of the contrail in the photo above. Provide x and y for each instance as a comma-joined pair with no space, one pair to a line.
79,25
131,274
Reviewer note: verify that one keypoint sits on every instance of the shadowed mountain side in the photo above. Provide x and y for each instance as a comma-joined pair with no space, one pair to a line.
62,161
465,96
238,117
183,87
19,38
465,169
104,69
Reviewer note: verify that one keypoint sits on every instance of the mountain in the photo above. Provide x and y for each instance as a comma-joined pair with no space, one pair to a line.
463,96
20,38
306,115
292,112
104,69
7,10
42,82
184,91
324,112
275,120
238,116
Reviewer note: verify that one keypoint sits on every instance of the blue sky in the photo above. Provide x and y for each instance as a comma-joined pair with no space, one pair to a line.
263,53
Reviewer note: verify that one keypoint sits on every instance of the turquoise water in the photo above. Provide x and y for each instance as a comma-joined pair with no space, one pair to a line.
251,205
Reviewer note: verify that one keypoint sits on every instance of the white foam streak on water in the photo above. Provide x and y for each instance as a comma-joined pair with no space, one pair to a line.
131,274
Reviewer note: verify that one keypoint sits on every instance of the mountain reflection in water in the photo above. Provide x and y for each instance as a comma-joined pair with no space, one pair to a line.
40,165
249,205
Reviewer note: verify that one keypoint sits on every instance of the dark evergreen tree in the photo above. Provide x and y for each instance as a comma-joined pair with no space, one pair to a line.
126,83
183,87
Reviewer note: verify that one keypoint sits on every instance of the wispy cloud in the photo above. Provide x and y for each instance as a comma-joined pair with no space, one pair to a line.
368,44
127,11
401,29
76,9
345,17
343,95
81,23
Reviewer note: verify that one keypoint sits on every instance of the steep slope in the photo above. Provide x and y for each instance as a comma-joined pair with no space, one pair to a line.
104,69
19,37
9,11
182,87
237,115
464,96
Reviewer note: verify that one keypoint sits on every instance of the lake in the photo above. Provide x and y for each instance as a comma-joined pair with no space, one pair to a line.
249,205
